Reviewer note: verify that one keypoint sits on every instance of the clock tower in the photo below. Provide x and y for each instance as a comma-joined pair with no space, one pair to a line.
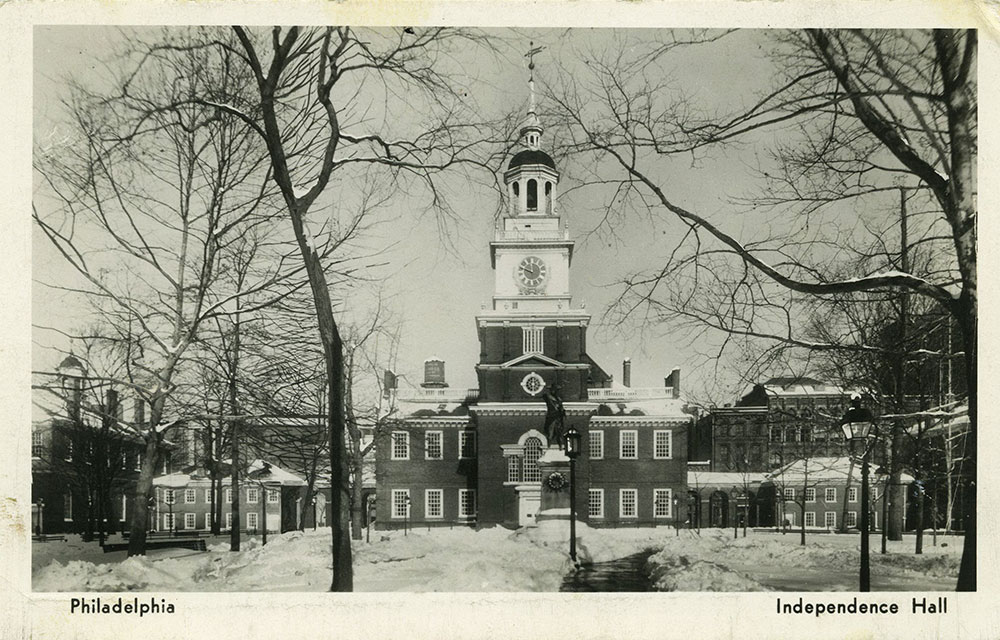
531,337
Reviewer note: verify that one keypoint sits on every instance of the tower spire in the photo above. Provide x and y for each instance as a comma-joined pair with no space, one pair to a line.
531,133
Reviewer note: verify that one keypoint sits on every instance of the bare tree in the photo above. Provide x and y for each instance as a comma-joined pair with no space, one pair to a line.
139,199
855,109
302,102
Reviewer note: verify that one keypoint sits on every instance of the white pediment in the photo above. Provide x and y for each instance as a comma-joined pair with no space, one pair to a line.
533,360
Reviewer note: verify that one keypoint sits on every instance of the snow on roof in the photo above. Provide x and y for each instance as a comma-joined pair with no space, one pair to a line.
198,475
723,479
824,469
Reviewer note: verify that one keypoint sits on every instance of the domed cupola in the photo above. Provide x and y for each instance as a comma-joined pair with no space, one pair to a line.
531,176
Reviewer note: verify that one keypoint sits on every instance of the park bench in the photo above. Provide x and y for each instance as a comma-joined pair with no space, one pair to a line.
195,544
157,535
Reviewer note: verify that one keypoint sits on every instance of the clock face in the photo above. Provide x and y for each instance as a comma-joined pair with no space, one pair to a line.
531,272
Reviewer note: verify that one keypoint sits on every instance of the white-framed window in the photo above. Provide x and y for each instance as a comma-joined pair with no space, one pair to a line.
190,520
434,503
208,496
662,444
532,452
67,506
466,444
830,520
273,496
168,521
229,520
227,494
168,496
466,503
253,495
810,518
69,450
595,503
400,503
830,494
810,495
789,493
400,445
628,503
628,441
852,494
138,461
190,496
434,445
662,503
252,520
852,518
595,444
208,521
37,444
533,339
513,468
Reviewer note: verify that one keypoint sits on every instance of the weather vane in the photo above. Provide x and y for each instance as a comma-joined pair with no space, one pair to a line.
531,58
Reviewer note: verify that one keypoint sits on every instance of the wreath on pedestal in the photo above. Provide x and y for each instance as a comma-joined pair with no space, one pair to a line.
556,481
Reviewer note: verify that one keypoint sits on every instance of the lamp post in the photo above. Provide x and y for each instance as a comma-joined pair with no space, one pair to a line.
882,475
677,529
170,503
406,516
41,517
314,512
572,442
859,429
151,507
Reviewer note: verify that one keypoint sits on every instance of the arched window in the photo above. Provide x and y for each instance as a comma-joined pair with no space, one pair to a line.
532,195
548,197
517,189
532,452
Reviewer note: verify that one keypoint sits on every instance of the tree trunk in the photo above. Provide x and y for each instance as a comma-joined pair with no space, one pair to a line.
919,544
847,492
967,569
143,490
234,529
357,501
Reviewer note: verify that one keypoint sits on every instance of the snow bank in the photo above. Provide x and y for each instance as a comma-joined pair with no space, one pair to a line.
438,560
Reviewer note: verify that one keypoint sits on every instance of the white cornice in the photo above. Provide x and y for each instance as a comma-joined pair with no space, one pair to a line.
639,421
530,408
439,421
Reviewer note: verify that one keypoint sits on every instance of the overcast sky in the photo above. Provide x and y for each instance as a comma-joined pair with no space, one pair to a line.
438,292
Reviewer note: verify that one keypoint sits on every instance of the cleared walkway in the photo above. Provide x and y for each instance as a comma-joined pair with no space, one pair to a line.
623,574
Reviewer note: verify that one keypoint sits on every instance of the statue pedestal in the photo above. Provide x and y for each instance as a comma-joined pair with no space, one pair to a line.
555,503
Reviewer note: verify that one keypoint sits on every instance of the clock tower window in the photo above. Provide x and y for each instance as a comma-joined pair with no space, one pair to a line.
532,195
533,338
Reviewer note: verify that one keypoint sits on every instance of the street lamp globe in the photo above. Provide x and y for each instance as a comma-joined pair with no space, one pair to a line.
572,438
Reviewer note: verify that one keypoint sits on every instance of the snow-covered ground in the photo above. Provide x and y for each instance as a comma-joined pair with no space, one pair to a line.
498,560
714,561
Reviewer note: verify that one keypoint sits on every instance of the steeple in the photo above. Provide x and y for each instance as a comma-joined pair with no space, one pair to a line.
531,132
531,176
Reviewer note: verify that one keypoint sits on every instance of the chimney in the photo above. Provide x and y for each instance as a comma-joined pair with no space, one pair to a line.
433,374
389,383
111,408
675,382
139,411
627,372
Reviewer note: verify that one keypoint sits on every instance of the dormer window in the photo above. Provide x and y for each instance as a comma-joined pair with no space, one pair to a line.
532,195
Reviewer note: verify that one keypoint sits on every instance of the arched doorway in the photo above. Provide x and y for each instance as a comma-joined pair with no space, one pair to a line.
718,510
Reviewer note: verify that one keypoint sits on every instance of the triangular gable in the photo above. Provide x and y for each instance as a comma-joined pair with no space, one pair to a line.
533,360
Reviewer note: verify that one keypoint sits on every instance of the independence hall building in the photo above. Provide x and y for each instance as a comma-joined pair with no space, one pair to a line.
470,457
